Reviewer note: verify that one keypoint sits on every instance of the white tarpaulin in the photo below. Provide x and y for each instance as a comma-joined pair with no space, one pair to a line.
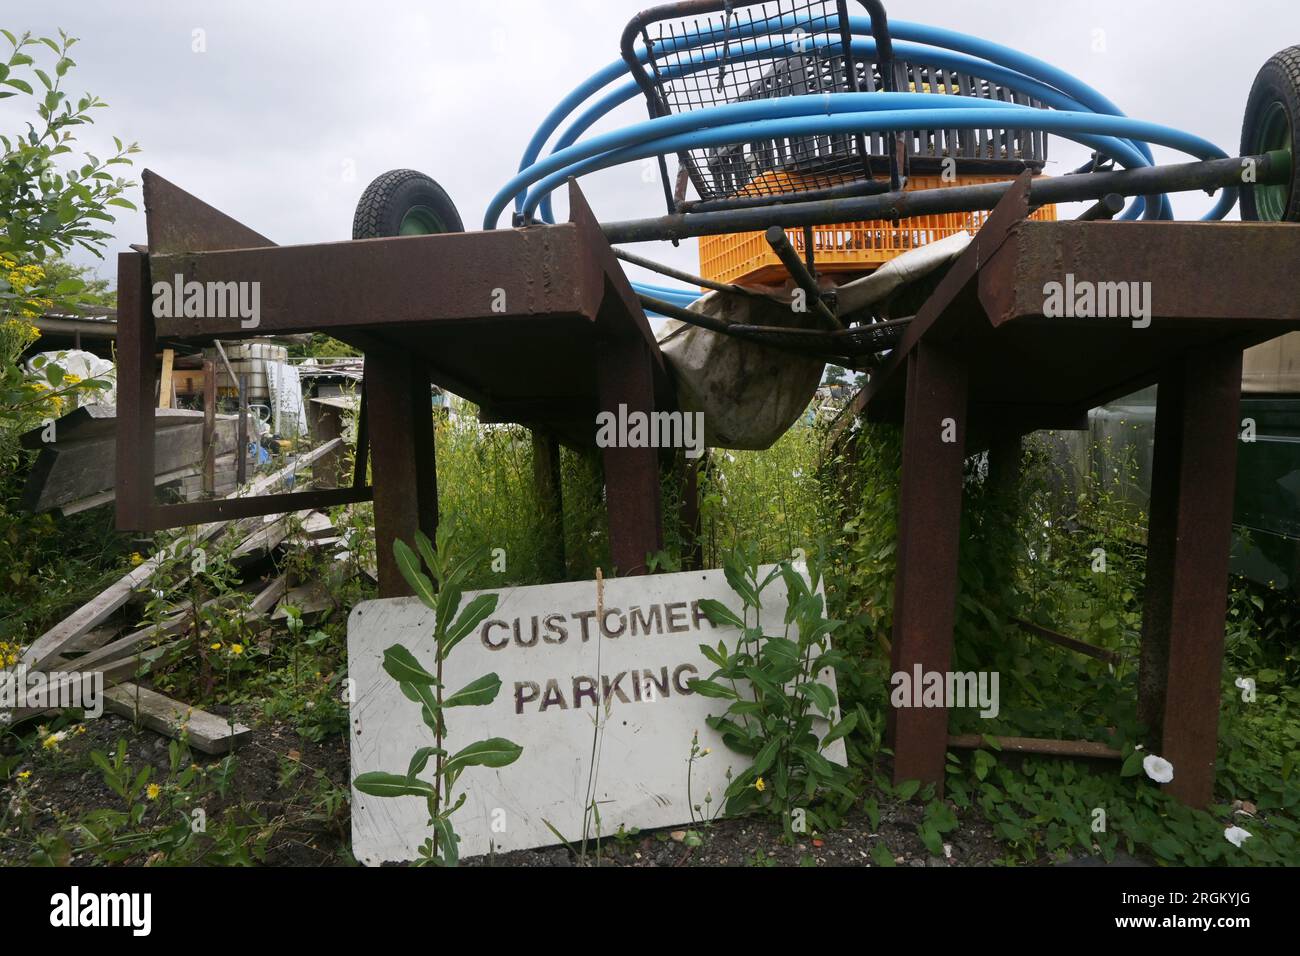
751,394
288,411
84,365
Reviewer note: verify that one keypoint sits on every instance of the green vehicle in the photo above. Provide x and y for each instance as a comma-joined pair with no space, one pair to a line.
1266,519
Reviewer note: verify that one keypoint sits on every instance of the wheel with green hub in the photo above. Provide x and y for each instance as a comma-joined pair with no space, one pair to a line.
404,202
1273,123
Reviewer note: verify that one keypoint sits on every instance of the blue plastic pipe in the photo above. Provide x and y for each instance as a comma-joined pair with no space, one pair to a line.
987,59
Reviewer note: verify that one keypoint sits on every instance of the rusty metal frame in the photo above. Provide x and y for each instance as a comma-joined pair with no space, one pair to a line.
983,335
422,308
176,220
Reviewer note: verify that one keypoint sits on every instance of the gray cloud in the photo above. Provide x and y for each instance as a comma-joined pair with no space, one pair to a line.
293,97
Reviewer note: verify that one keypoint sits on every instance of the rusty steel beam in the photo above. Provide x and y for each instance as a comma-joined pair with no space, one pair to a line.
399,414
1070,643
1187,264
136,342
188,513
1214,288
631,474
1192,485
178,222
490,277
550,502
136,508
929,518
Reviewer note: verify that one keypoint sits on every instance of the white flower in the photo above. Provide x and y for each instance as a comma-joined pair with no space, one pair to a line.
1158,768
1236,835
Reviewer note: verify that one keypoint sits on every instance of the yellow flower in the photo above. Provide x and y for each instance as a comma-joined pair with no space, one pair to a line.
137,559
53,740
236,649
24,775
759,785
215,647
153,791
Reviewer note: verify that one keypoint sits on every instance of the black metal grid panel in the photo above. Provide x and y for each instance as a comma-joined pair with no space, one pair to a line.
785,165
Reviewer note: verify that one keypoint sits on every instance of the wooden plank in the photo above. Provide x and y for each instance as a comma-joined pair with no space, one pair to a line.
69,471
114,674
53,642
268,537
165,389
1034,745
202,731
209,429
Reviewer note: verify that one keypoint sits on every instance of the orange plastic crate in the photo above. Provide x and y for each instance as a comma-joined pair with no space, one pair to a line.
846,247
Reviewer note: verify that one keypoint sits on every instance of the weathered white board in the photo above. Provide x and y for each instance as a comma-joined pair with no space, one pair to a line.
544,644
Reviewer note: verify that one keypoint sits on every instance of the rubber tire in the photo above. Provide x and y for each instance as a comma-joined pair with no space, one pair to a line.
1278,82
387,200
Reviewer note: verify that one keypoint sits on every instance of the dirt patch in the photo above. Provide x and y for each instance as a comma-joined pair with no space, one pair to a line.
299,791
757,842
289,783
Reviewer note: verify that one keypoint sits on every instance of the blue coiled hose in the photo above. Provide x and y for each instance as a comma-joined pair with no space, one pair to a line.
1077,112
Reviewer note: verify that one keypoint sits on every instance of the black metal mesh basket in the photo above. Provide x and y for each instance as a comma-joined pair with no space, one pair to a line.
754,54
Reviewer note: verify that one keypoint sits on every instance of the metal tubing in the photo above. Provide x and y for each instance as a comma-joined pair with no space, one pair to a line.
1270,168
780,243
681,276
1110,206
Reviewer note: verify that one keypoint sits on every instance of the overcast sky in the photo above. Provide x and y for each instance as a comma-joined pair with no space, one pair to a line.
297,104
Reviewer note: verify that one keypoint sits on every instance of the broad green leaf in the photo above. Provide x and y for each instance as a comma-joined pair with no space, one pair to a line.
715,658
840,729
494,752
823,697
401,665
425,548
765,757
907,789
447,841
409,565
380,784
470,618
718,613
708,688
480,692
420,760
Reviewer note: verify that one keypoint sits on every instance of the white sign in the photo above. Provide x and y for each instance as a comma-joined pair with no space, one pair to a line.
559,668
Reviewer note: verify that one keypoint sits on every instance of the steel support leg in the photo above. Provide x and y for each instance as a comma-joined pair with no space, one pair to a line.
400,426
135,394
546,479
1192,487
631,474
925,588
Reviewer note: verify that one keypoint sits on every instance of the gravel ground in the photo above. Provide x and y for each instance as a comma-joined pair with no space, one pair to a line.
64,786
